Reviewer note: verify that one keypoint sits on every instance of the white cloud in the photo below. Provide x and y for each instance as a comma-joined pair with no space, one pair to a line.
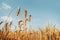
4,18
6,6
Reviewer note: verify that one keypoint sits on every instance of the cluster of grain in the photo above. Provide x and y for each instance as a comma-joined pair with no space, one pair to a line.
45,34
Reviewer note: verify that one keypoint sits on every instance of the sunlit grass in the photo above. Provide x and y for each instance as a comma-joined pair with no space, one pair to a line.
49,33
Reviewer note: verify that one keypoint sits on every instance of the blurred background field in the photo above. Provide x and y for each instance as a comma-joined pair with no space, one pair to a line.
47,33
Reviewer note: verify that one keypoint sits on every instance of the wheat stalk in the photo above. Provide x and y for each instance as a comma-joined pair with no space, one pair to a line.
18,11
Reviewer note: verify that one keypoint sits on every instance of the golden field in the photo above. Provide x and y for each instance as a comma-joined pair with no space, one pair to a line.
47,33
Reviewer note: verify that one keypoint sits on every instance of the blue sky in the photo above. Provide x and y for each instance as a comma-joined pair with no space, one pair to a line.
42,11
